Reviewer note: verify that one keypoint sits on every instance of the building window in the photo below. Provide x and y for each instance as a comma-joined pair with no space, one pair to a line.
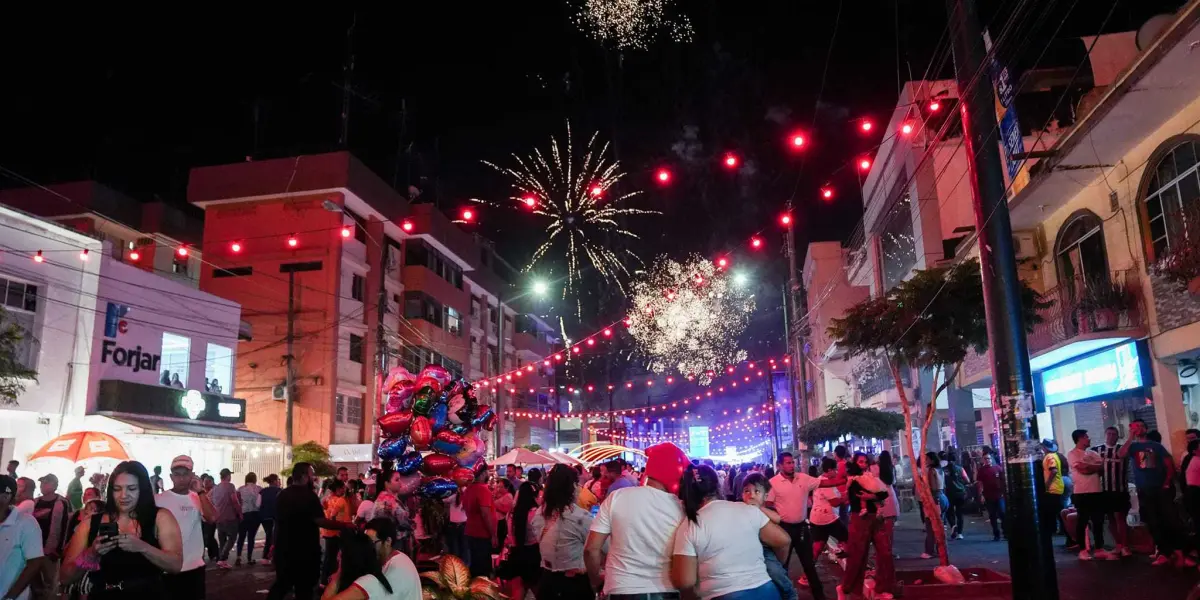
1171,196
218,370
418,254
20,302
453,322
358,287
348,409
356,348
176,356
1080,253
179,264
415,358
474,306
896,239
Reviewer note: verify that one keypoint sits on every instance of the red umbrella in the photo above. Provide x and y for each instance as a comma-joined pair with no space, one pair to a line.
79,446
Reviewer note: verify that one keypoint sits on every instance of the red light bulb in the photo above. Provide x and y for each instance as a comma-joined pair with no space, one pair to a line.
134,256
866,125
38,258
591,342
529,201
906,129
407,226
663,176
731,160
797,140
83,255
607,332
722,262
292,242
235,247
827,193
182,251
468,214
597,191
864,164
346,232
756,243
935,106
785,220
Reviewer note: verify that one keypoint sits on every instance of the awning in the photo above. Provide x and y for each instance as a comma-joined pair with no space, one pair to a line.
172,428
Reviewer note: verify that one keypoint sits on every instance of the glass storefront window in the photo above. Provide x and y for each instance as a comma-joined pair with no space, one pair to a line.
218,370
176,356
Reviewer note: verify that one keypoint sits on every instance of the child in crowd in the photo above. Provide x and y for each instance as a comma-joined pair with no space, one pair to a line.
754,493
870,483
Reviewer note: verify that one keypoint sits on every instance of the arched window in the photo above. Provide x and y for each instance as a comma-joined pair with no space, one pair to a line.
1079,251
1172,194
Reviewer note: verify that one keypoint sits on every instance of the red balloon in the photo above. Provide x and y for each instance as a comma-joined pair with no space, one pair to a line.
421,432
399,397
438,464
396,423
431,382
437,372
462,476
451,438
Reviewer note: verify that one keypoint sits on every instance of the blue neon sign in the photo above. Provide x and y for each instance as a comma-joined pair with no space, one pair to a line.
698,442
1116,369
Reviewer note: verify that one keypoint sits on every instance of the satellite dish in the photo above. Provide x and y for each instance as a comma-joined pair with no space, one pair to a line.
1148,32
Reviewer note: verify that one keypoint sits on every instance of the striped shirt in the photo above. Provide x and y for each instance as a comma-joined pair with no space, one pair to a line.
1112,478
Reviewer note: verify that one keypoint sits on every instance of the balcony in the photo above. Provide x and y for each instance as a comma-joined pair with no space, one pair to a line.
1083,310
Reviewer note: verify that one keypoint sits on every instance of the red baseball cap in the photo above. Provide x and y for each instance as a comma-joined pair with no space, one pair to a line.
665,463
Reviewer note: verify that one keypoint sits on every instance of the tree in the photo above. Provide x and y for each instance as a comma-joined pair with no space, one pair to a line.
929,321
13,374
313,454
840,420
532,447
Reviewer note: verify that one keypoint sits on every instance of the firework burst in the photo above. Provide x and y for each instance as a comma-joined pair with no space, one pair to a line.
687,317
575,194
632,24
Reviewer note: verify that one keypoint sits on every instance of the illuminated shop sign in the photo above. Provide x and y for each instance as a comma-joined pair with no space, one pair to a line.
1110,371
129,398
698,441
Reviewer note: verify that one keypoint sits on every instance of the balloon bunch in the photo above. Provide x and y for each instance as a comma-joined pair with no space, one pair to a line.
440,419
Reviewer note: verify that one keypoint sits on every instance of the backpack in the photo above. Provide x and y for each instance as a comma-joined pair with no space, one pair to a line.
956,488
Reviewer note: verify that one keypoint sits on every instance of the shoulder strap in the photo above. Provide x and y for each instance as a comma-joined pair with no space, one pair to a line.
93,528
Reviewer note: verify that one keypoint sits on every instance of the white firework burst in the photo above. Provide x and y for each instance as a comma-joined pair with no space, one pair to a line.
632,24
687,317
574,194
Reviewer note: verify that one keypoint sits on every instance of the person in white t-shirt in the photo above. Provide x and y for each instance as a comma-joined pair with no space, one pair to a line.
718,549
190,505
639,524
1086,465
789,495
371,569
823,519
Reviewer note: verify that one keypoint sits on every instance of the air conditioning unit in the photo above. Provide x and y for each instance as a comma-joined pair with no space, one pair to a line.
1027,244
279,392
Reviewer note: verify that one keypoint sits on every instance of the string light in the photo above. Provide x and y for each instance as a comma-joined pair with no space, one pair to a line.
906,128
864,164
181,251
785,219
38,258
467,215
292,241
83,254
407,226
827,193
797,140
134,255
935,106
663,176
730,160
756,242
346,233
235,247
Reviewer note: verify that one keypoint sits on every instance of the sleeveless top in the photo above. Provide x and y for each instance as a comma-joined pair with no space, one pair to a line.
135,575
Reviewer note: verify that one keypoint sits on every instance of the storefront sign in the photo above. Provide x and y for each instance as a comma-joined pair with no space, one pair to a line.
137,399
133,358
1110,371
698,441
350,453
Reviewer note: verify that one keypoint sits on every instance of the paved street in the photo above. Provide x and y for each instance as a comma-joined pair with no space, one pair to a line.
1129,579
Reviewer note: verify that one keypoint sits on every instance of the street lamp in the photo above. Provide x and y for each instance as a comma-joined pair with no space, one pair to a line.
540,287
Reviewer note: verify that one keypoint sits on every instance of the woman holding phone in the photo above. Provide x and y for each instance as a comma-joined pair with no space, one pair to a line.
125,547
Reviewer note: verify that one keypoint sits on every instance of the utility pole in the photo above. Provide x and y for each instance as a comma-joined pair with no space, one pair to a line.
291,355
1030,551
381,349
348,72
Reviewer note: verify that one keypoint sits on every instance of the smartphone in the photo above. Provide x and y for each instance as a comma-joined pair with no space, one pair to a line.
107,530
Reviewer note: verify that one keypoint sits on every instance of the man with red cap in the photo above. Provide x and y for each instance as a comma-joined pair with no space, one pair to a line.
639,524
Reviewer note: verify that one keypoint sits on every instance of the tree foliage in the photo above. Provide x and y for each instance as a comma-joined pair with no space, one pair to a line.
315,455
840,420
932,321
13,374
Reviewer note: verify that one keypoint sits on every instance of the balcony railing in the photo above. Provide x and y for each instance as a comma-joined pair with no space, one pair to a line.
1081,307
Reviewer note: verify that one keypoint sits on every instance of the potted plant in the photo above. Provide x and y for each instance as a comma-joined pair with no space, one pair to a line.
1179,263
452,581
1106,303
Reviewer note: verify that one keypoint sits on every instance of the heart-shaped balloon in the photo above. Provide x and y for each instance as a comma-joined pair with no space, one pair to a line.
447,442
468,448
437,373
423,401
396,423
421,432
409,484
485,417
392,448
400,397
438,488
437,416
453,405
437,464
429,382
395,376
462,475
408,463
460,429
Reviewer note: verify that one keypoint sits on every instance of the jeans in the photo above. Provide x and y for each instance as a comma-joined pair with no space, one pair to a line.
268,526
302,579
1157,506
1089,508
456,541
557,585
954,514
247,531
995,510
227,532
779,575
864,531
765,591
480,551
330,561
802,545
931,522
209,532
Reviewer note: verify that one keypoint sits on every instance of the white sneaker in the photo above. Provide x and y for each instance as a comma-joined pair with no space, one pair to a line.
1083,555
958,537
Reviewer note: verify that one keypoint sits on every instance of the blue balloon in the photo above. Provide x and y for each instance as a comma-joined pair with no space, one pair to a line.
438,488
409,463
393,448
445,447
439,414
463,429
484,419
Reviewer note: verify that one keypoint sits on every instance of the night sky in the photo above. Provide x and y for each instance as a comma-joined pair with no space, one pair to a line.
134,99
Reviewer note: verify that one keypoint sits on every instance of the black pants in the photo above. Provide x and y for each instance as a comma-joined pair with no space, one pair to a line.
330,562
1052,505
247,531
557,585
209,531
268,526
185,585
995,510
1157,507
954,514
802,545
1089,509
480,550
301,579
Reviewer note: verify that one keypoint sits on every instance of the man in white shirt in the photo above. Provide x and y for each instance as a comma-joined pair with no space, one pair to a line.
641,522
20,545
190,505
1086,466
24,497
789,497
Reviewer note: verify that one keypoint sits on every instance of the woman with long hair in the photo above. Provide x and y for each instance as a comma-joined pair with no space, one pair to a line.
885,470
503,498
718,550
126,546
523,565
866,528
564,576
358,559
937,482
